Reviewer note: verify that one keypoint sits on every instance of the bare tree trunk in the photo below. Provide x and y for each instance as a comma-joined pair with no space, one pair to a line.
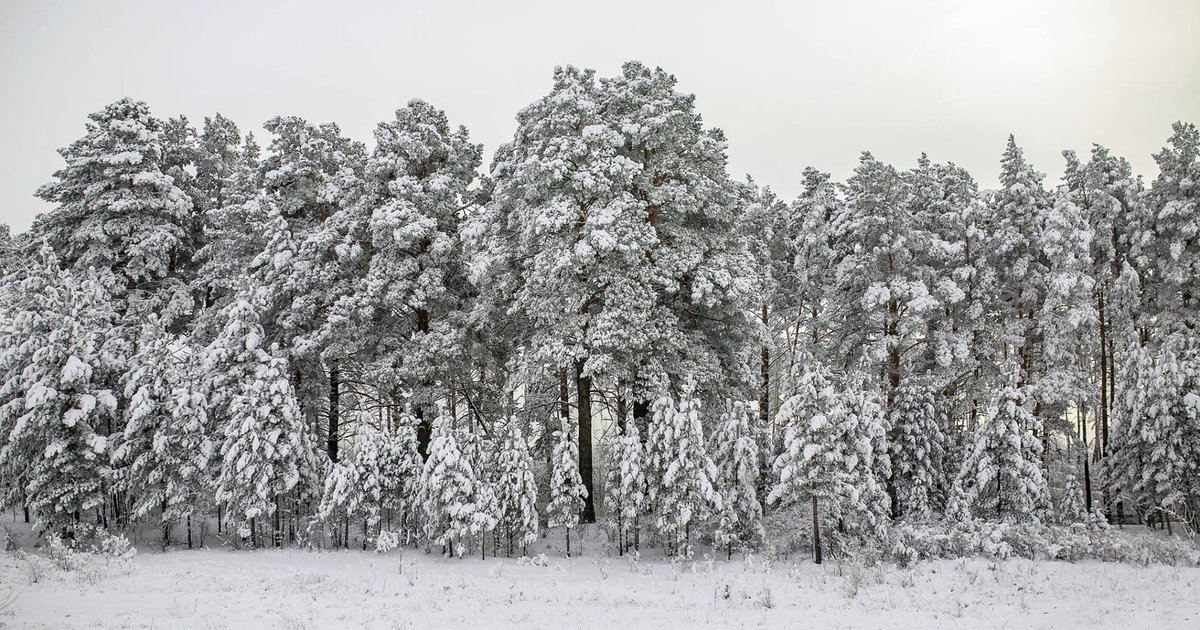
583,388
816,532
1087,470
764,397
166,527
334,395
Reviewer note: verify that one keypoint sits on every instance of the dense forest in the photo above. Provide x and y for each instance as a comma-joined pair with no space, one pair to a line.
317,341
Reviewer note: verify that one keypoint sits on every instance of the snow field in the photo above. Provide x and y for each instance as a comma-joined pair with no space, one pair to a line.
215,588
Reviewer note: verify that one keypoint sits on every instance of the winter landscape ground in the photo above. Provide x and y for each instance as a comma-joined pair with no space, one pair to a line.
292,588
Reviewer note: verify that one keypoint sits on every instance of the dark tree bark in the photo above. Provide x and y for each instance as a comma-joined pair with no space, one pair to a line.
764,398
641,417
166,527
424,425
334,412
816,532
583,388
424,432
1087,470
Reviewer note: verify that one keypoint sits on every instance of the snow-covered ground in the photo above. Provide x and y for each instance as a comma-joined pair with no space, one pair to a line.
221,588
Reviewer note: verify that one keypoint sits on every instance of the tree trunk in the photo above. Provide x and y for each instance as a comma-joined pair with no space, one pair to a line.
1087,470
277,525
334,394
425,425
641,417
816,532
764,397
583,388
166,527
424,432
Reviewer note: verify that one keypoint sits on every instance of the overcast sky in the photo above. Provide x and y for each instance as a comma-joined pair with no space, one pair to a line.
792,84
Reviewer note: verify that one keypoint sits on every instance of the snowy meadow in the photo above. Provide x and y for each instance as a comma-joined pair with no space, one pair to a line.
600,383
292,588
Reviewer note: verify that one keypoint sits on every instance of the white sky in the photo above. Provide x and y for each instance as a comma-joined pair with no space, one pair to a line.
793,84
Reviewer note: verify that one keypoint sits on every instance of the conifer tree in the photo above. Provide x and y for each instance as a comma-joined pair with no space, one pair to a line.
56,414
735,454
165,455
449,493
516,491
1002,476
917,451
688,496
117,209
625,485
567,492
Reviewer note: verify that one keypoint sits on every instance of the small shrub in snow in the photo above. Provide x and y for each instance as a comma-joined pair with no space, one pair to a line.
386,541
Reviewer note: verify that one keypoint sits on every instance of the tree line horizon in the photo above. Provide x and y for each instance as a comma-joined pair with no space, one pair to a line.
322,334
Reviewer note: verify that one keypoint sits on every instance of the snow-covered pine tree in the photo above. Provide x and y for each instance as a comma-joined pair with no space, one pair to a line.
611,231
625,485
917,451
449,492
343,497
864,509
1016,214
516,491
1127,453
1171,434
116,209
1070,506
1068,313
657,452
1174,200
1002,476
56,414
266,444
398,244
164,456
688,495
400,468
812,460
735,454
219,156
567,492
483,457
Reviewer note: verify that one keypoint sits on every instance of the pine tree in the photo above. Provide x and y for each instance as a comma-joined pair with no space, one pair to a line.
812,458
56,415
917,451
567,492
625,485
398,244
688,496
265,445
449,492
1017,213
517,491
1002,477
117,209
735,454
164,457
611,231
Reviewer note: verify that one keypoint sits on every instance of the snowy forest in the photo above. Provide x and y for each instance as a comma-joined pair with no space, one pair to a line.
292,338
